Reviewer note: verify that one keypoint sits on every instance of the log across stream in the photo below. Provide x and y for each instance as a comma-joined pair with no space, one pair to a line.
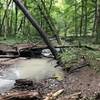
34,69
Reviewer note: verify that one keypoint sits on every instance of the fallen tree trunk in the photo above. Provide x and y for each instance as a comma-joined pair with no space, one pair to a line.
27,50
23,82
41,47
36,46
38,28
21,95
9,56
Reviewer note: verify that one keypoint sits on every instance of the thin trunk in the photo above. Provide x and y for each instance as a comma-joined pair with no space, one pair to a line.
24,20
51,2
98,23
82,15
94,24
6,22
4,16
16,18
85,17
75,19
0,14
51,23
24,25
20,25
65,30
11,20
45,17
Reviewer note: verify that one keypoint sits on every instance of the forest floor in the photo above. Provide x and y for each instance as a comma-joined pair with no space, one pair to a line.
84,81
81,84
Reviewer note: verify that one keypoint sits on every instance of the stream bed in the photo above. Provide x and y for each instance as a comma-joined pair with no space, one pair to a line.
35,69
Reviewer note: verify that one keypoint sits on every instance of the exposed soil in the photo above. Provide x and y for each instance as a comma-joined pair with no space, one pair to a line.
85,80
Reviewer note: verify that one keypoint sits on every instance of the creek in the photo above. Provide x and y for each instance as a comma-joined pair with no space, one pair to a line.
35,69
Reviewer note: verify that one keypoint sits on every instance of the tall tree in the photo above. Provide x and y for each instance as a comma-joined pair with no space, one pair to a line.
16,18
82,17
11,19
44,11
75,18
85,17
98,22
5,14
94,17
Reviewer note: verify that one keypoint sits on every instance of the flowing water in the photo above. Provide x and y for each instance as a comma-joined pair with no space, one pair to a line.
35,69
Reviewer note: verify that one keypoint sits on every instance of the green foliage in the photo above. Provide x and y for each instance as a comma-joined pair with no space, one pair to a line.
93,58
73,55
62,13
20,36
68,55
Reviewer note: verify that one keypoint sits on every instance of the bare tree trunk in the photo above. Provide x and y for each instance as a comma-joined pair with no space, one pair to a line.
75,19
45,16
98,23
16,18
11,20
51,2
85,17
82,15
94,24
20,25
49,20
56,33
38,28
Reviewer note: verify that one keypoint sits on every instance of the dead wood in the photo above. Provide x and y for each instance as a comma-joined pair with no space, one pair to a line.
78,67
74,96
35,24
53,96
31,50
9,56
21,82
22,95
19,47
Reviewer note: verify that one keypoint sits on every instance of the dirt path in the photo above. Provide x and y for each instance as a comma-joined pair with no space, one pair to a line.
85,80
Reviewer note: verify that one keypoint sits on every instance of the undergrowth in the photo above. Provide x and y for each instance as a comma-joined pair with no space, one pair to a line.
72,56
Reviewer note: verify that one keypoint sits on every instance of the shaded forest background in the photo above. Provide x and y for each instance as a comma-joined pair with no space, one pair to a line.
74,19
